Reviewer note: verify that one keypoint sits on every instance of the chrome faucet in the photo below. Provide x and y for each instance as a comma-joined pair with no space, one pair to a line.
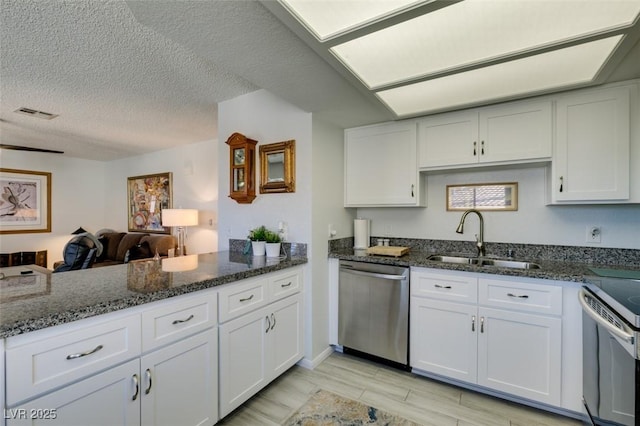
479,239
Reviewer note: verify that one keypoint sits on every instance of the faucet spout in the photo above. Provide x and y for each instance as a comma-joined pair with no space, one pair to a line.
480,237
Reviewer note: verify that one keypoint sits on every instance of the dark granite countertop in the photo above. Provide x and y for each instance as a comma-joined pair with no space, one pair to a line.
42,299
560,270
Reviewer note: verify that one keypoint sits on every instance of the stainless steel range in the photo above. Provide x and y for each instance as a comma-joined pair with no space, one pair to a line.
611,351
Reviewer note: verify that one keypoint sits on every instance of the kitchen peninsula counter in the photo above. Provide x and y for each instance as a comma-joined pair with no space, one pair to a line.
44,299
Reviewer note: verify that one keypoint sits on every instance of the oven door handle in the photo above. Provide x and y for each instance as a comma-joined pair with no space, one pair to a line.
627,337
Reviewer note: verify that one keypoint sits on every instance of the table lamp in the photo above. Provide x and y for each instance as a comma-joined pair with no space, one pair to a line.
180,218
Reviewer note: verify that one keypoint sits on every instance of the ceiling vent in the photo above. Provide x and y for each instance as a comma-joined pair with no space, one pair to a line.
35,113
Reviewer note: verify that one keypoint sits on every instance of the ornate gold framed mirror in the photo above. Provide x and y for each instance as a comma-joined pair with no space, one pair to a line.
278,167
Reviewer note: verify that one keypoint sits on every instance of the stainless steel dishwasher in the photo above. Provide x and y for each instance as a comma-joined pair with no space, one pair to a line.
373,311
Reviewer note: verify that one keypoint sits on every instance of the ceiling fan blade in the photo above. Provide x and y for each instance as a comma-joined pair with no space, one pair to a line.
26,148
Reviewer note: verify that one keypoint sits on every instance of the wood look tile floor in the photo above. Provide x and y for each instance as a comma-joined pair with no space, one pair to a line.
415,398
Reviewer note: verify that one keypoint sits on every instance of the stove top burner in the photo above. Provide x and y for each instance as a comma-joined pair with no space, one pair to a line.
622,294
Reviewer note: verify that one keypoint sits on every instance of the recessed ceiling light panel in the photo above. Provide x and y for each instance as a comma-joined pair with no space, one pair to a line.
476,31
552,70
328,19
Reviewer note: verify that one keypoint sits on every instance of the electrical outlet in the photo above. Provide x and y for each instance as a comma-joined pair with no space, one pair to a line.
594,234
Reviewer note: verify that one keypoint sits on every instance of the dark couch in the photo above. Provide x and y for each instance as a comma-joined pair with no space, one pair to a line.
123,247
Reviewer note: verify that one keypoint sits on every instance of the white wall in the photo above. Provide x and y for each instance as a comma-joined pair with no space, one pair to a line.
327,202
533,223
195,186
77,199
268,119
93,194
264,117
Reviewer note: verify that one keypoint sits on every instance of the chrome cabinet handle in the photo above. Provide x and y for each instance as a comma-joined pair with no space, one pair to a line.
247,298
286,285
482,148
184,320
148,389
137,383
481,324
524,296
268,324
474,148
442,286
473,323
80,355
273,319
412,186
561,182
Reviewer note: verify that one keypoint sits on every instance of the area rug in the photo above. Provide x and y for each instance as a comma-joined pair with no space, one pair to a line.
328,409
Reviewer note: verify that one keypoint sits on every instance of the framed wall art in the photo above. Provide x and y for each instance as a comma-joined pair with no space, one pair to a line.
147,196
25,201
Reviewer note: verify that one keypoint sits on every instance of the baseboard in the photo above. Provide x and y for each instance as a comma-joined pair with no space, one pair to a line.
509,397
311,364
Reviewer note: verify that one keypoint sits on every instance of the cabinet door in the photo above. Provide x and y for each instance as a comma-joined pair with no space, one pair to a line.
179,382
105,399
243,358
514,132
443,338
591,158
520,354
380,166
448,139
285,334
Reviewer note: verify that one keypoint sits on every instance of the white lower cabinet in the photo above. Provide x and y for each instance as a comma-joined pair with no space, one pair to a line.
179,382
501,342
520,354
171,386
157,364
256,348
105,371
104,399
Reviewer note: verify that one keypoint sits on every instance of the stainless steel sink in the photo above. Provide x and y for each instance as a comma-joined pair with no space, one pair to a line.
499,263
454,259
510,264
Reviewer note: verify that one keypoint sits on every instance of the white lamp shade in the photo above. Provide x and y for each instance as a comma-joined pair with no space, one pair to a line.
179,217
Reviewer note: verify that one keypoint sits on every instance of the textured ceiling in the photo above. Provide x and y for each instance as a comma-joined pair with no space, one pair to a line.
122,88
130,77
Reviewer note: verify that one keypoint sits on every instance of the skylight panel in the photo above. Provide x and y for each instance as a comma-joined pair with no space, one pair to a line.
555,69
328,18
475,31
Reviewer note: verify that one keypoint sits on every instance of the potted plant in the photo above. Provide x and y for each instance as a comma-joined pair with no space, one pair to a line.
258,237
273,241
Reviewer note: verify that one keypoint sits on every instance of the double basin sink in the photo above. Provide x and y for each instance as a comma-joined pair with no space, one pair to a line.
481,261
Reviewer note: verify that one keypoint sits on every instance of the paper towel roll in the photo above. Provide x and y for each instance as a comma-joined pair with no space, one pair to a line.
361,229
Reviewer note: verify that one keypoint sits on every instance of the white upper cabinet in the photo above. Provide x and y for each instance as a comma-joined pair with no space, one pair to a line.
380,166
516,132
592,150
448,139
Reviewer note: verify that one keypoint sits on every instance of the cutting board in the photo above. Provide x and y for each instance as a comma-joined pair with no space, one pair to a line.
388,250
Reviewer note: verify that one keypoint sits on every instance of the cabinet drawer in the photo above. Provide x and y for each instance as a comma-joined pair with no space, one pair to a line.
458,287
283,285
56,360
240,298
178,318
521,296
